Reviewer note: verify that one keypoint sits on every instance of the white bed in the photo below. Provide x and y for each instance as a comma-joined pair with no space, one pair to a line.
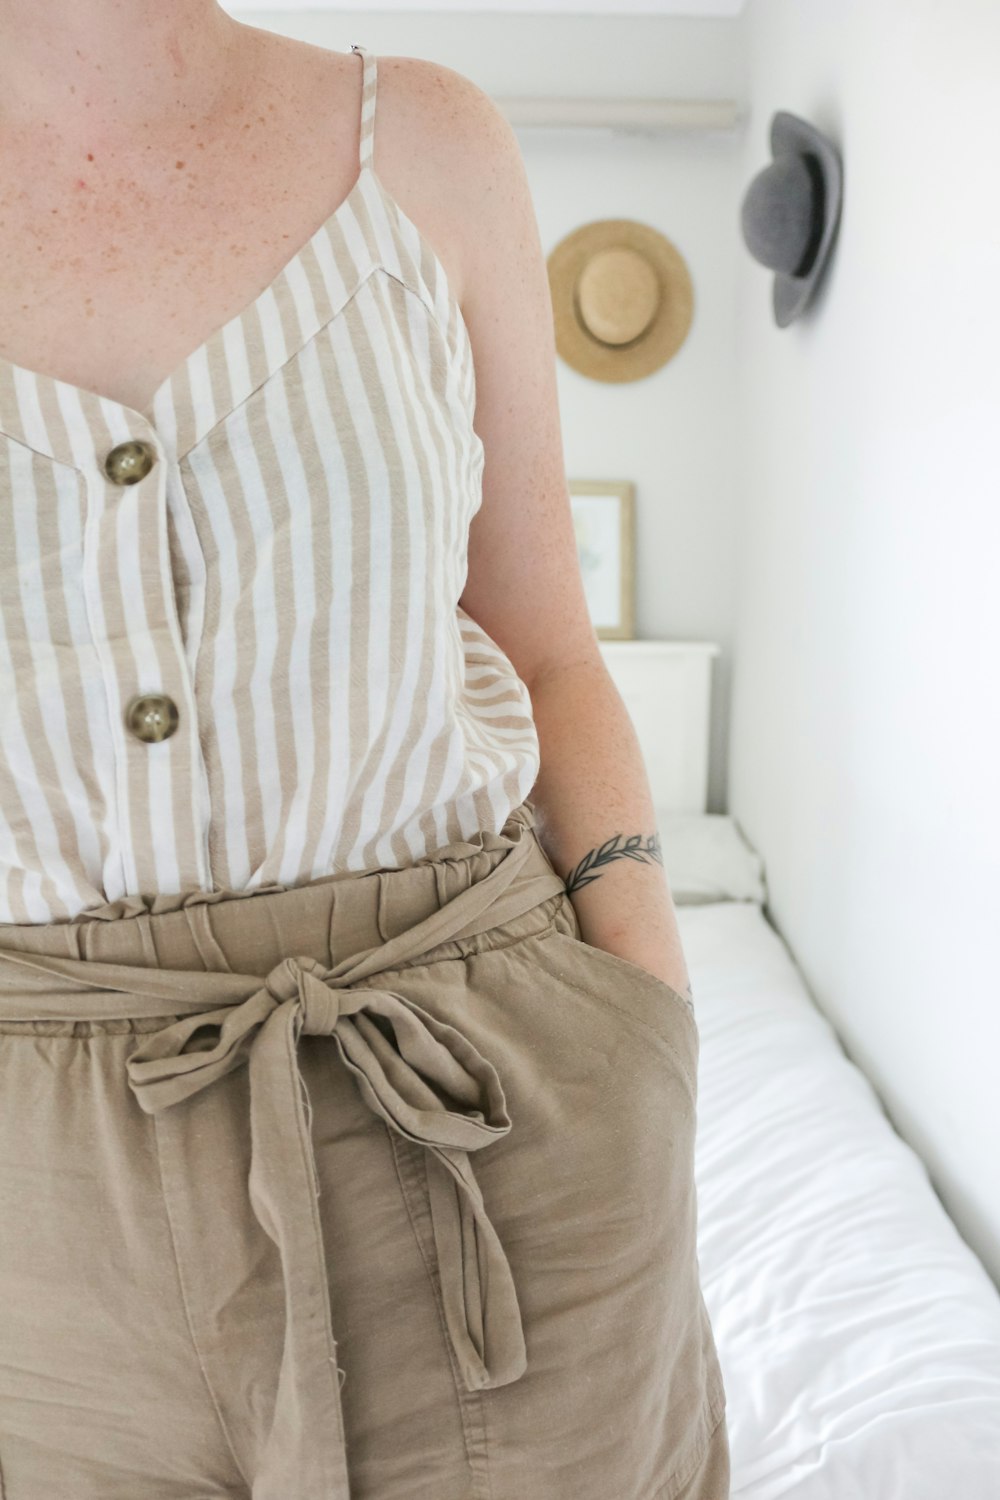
859,1336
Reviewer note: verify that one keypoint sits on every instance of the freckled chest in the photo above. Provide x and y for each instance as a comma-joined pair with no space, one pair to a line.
115,269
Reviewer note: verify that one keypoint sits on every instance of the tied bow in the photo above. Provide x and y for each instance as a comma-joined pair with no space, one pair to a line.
404,1070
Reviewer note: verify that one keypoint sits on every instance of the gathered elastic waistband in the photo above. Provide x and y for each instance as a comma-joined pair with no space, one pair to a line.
163,955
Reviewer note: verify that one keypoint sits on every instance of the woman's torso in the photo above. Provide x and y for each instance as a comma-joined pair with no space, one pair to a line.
286,576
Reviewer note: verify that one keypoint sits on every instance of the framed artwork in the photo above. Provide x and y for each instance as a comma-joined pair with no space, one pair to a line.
604,521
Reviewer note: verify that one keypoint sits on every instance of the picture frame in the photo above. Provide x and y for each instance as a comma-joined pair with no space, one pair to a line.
604,522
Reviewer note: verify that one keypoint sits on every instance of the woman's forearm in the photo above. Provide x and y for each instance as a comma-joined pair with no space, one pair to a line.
595,821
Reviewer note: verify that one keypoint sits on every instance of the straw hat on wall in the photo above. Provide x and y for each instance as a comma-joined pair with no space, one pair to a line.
622,299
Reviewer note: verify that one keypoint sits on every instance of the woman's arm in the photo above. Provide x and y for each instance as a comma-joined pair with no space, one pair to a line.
524,585
595,820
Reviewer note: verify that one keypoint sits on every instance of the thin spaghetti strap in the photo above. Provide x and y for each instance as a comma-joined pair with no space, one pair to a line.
368,80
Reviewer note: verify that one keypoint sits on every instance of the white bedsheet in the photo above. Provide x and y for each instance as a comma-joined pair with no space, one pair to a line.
858,1334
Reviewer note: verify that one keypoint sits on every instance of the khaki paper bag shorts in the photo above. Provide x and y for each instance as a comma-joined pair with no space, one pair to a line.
374,1188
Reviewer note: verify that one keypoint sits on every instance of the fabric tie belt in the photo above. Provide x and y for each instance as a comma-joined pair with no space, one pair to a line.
402,1079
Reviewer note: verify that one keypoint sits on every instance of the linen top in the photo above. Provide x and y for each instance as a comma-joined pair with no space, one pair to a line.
284,579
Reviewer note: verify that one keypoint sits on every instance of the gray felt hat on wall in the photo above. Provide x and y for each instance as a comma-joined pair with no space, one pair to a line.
791,210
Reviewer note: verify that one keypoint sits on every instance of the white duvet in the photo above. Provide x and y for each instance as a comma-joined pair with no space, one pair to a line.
858,1334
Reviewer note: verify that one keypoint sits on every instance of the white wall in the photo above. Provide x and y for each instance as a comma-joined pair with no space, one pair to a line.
671,433
865,746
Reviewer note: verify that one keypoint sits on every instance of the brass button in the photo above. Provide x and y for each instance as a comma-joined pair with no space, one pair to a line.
151,717
129,462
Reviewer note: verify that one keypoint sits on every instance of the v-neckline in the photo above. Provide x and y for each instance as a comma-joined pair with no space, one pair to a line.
73,424
215,339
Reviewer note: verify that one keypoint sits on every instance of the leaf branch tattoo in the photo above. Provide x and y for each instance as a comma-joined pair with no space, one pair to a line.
589,867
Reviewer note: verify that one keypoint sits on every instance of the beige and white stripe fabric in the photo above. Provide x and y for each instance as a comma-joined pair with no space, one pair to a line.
287,573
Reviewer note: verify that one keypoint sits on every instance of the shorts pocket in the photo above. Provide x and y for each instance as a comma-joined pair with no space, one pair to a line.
592,1196
636,974
654,1010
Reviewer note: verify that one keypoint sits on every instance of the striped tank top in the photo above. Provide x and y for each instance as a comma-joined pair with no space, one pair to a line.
231,648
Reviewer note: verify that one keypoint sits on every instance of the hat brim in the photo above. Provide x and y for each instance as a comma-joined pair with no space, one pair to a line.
660,342
792,135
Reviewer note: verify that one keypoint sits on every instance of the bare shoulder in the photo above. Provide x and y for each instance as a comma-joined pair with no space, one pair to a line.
449,156
442,149
445,103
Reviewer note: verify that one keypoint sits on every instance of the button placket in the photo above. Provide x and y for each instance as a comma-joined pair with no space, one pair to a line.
149,686
149,717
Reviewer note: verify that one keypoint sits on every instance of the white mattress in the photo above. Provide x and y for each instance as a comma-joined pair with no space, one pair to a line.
858,1334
